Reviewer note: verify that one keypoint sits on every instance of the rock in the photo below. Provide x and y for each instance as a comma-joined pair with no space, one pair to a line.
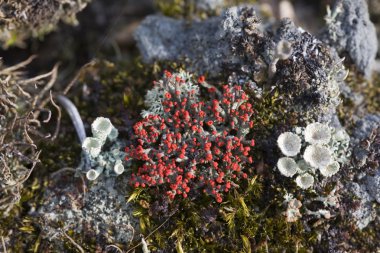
352,33
101,213
309,77
374,11
373,186
364,127
366,157
363,130
204,46
165,39
363,213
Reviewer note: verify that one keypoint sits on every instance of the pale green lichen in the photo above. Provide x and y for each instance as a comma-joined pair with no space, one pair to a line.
324,149
103,153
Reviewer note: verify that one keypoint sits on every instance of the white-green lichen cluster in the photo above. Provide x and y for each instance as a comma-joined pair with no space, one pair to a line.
103,150
293,205
324,148
22,19
180,82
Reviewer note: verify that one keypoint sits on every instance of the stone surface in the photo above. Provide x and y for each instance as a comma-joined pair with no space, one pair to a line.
240,43
165,39
100,212
365,168
363,213
374,11
373,186
363,130
351,32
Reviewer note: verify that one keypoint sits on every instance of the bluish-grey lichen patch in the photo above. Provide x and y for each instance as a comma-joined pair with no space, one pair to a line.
100,212
350,30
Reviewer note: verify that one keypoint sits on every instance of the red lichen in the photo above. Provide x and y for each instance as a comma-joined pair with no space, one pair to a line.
194,146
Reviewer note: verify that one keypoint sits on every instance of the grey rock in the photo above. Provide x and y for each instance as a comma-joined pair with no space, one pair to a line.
367,187
204,46
237,41
362,131
374,11
373,186
311,77
350,31
365,126
165,39
363,214
101,212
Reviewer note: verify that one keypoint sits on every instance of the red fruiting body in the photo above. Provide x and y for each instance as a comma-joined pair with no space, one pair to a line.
193,146
201,79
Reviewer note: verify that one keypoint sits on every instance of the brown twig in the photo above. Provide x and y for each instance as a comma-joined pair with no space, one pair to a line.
4,246
9,70
59,117
73,242
76,77
53,73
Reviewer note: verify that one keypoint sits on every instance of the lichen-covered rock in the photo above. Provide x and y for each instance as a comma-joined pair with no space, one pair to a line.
25,18
161,38
364,176
363,130
363,214
205,46
100,213
365,126
374,11
352,33
373,186
311,77
306,71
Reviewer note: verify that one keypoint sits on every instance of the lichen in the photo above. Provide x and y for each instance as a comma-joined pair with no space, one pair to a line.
22,19
19,129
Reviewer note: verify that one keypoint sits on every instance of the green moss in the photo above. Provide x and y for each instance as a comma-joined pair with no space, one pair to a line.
187,8
173,8
271,113
369,89
249,219
19,225
367,239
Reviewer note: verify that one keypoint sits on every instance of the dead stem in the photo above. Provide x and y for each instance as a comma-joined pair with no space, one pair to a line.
9,70
53,73
73,242
3,242
71,84
58,118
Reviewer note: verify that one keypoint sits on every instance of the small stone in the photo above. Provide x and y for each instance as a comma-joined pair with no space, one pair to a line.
351,31
373,186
